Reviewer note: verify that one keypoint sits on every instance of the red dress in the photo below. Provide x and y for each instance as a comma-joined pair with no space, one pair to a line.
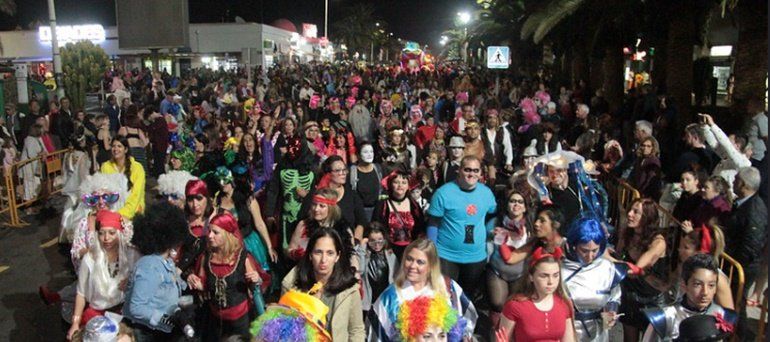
535,325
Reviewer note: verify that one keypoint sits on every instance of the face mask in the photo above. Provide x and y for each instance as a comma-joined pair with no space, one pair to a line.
367,154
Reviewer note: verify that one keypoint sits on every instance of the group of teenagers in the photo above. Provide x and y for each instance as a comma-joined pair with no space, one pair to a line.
375,222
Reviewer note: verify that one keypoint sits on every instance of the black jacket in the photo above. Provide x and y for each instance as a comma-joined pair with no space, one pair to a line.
745,231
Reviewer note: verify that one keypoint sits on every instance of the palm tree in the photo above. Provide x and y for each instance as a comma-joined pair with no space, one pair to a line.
356,28
457,43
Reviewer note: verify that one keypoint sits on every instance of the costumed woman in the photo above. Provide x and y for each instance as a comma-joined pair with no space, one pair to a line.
287,189
399,212
171,187
324,213
514,228
326,273
123,162
429,318
198,210
235,197
419,275
151,307
225,274
182,159
77,166
643,246
592,282
398,153
103,271
97,192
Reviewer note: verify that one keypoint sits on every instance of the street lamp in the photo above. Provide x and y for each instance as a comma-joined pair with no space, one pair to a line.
444,40
464,17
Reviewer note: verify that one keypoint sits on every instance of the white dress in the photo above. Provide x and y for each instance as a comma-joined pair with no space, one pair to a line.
76,166
33,146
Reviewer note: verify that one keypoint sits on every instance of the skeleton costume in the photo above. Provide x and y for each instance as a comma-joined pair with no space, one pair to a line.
295,172
664,322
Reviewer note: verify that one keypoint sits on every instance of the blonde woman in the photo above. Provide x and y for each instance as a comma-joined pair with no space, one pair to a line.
419,275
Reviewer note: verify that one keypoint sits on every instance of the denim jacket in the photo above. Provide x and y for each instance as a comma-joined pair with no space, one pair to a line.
153,291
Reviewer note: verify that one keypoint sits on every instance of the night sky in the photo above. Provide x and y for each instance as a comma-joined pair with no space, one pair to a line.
420,20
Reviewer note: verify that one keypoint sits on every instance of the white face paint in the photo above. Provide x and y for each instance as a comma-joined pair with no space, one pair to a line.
367,153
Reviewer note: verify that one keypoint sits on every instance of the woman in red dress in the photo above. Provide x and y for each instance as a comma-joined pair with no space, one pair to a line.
542,312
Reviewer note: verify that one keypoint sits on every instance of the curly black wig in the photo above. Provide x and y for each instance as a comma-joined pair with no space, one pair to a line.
162,226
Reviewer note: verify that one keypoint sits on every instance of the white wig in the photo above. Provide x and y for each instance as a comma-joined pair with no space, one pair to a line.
174,182
114,182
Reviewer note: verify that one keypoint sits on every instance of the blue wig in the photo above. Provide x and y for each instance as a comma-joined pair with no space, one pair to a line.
584,230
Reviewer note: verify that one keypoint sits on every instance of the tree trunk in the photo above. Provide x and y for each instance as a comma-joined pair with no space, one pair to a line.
751,51
579,64
613,76
596,76
679,63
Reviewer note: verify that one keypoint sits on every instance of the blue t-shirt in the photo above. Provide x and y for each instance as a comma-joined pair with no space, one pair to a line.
457,209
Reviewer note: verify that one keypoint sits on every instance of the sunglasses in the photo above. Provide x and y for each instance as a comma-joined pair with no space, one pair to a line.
171,197
376,242
516,201
470,170
93,200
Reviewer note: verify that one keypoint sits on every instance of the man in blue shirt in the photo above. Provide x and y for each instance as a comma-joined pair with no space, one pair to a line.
457,214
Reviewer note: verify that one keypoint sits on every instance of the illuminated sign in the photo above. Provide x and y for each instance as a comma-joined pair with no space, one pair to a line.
73,33
309,30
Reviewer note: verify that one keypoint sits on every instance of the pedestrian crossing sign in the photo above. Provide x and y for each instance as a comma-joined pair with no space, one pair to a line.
498,57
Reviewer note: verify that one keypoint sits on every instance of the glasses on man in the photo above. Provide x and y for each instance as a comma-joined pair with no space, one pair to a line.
92,200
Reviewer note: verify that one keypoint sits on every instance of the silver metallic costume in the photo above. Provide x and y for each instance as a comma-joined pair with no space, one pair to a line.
664,322
592,288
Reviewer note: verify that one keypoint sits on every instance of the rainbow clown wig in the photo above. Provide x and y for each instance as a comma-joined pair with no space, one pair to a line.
298,316
417,315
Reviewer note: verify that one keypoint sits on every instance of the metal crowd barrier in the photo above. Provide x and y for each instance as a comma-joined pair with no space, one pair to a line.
51,182
622,195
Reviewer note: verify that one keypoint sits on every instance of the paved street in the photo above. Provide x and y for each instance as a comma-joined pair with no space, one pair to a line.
32,258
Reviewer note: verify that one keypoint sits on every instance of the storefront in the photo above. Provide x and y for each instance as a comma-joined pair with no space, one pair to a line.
220,45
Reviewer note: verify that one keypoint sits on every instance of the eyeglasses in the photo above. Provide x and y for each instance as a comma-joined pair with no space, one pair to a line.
516,201
376,242
93,200
339,171
470,170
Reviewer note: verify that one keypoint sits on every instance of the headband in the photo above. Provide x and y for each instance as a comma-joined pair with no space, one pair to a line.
196,187
227,222
324,200
108,218
705,239
540,253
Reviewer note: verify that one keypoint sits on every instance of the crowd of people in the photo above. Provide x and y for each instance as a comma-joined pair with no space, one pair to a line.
335,202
